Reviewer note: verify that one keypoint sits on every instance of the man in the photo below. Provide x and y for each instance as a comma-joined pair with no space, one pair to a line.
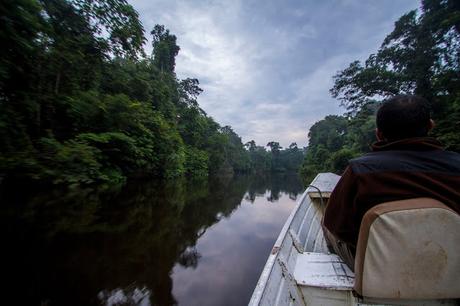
404,164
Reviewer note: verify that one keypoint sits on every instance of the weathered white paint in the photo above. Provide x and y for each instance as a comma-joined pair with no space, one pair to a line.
325,182
271,280
323,270
310,275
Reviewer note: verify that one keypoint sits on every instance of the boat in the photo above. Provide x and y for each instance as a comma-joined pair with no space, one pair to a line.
300,270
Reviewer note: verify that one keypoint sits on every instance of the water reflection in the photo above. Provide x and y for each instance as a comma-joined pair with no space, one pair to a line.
143,244
125,296
274,185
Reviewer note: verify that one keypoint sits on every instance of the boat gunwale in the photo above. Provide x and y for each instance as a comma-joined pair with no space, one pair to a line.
264,280
270,263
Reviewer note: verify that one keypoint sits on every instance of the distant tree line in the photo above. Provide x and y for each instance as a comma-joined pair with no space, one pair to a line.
81,102
276,159
420,56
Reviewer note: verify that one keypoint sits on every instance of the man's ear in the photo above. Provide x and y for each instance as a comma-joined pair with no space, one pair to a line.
379,135
431,125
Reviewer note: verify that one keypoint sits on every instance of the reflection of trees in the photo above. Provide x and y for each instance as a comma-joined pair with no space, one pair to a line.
82,247
125,296
189,258
275,184
73,249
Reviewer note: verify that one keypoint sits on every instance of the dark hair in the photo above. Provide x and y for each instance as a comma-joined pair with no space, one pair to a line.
404,116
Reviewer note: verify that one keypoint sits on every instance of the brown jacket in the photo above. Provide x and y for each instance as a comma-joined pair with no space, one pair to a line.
409,168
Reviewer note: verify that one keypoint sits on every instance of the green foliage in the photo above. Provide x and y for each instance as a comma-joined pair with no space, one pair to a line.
80,102
329,132
119,20
447,129
129,77
74,163
339,160
196,162
291,158
165,49
119,150
332,143
420,56
316,161
20,25
235,154
275,160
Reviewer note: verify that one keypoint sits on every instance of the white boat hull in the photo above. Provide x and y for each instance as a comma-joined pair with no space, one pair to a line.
300,269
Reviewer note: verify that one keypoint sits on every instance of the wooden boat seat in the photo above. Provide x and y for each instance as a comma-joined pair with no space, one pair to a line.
323,270
323,279
409,250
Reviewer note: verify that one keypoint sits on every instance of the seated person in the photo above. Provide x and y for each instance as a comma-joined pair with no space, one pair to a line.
403,164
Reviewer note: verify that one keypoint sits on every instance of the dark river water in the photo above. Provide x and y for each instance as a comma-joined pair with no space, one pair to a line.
142,244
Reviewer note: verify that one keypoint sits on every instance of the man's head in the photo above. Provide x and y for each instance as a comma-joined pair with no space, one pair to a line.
403,116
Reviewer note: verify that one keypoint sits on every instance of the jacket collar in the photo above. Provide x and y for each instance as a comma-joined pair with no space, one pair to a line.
413,144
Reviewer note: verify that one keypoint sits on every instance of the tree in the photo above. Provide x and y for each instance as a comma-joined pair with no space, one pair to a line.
274,147
275,153
165,49
250,145
327,138
81,103
420,56
189,91
116,23
293,146
291,159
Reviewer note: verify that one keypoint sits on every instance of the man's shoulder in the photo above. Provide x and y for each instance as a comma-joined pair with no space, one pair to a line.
406,160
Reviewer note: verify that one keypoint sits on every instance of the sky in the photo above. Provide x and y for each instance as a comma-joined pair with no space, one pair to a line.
266,67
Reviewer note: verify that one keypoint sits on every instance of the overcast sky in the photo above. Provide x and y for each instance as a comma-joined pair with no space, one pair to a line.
266,67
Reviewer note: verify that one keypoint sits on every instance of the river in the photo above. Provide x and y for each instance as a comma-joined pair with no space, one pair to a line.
202,243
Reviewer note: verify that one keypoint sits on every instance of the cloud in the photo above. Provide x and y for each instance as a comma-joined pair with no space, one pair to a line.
266,66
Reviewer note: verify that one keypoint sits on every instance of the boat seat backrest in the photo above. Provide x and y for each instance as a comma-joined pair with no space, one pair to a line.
409,249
